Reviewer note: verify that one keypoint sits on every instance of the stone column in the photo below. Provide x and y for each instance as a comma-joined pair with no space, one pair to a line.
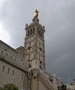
33,75
59,81
34,83
54,81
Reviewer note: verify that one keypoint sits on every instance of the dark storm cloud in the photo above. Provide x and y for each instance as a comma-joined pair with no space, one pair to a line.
61,49
58,17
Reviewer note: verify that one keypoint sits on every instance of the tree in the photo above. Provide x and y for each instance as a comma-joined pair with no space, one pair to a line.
10,87
1,88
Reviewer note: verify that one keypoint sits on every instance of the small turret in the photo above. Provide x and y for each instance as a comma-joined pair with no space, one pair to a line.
59,81
55,81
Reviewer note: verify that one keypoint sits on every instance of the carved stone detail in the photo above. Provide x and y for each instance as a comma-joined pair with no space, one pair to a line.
33,73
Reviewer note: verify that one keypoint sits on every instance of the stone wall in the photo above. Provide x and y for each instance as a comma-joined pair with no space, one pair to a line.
9,55
13,68
10,74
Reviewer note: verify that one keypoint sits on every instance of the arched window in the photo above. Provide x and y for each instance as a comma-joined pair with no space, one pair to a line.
33,30
28,32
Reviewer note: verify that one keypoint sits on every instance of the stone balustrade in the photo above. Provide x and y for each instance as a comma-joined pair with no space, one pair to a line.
45,81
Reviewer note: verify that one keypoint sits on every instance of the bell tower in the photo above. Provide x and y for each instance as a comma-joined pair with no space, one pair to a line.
34,44
35,50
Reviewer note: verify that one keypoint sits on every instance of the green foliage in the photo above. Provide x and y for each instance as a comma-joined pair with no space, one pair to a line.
1,88
9,87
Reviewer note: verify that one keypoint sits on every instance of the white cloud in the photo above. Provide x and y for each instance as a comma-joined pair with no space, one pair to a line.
4,35
1,2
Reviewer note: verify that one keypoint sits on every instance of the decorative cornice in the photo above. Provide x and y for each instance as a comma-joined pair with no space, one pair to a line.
35,24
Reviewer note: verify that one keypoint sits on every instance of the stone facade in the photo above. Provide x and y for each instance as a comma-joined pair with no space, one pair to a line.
13,68
25,66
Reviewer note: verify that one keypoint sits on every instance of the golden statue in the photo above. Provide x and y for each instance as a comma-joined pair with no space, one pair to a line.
36,13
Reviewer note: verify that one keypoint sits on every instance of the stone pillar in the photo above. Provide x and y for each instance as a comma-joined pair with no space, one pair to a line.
54,81
59,81
34,83
33,76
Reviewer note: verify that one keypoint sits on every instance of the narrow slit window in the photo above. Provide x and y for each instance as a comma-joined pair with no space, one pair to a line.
3,69
22,76
8,70
33,30
13,73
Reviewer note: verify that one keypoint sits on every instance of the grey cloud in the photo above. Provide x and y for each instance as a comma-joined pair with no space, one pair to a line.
60,50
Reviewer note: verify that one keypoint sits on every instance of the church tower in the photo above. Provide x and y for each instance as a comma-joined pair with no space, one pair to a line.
34,44
35,50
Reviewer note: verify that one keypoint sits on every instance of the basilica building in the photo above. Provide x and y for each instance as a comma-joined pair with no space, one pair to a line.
25,66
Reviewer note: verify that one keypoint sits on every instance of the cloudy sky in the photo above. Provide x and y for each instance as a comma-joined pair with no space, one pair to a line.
58,17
